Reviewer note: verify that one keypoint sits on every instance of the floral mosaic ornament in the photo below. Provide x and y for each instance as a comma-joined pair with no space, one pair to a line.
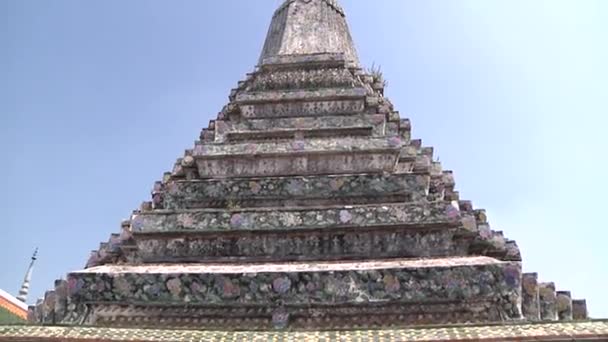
281,285
298,145
189,194
484,280
362,216
345,216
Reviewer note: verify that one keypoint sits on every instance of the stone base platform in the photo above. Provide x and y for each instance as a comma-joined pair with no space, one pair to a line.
325,295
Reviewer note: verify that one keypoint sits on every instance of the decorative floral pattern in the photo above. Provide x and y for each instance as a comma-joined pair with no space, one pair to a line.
174,286
186,194
362,216
483,282
281,285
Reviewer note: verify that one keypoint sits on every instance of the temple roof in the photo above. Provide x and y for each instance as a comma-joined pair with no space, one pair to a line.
304,27
562,331
11,309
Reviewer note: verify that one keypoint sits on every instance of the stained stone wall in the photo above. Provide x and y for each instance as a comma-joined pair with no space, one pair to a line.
494,288
312,245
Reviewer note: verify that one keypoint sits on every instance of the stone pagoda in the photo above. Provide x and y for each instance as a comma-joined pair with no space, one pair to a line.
306,205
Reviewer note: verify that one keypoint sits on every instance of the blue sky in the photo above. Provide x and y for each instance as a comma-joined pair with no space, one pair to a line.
99,97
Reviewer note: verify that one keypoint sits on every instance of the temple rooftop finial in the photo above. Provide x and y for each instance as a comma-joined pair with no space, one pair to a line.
308,27
25,288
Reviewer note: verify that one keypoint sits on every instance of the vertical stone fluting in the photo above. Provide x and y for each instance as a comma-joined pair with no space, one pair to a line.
548,310
564,305
579,309
531,297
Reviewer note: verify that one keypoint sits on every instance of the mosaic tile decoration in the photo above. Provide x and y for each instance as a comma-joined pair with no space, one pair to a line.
566,331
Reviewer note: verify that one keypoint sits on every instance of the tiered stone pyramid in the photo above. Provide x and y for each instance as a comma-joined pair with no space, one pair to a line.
306,204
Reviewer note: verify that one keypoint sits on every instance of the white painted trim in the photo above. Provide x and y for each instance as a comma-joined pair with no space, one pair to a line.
12,299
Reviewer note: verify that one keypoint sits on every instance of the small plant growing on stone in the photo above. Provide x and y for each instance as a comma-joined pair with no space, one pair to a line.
376,72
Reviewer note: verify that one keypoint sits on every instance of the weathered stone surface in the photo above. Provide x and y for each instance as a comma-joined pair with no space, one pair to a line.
292,317
303,78
288,128
302,108
456,280
548,309
317,245
563,303
531,299
579,310
48,307
309,27
259,191
295,147
301,94
345,162
61,297
291,219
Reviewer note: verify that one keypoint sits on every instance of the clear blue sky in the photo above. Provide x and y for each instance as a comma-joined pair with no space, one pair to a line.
99,97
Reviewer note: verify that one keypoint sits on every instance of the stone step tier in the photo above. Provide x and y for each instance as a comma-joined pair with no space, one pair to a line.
358,284
311,294
322,233
298,157
413,161
371,125
304,190
541,302
291,191
325,233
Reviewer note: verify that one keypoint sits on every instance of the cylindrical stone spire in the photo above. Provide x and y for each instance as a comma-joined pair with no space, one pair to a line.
25,288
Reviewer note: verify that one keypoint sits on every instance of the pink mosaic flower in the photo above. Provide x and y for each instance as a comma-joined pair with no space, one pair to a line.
394,142
452,212
280,318
345,216
196,288
255,187
122,286
237,220
512,275
75,285
100,286
294,187
281,285
336,184
229,290
174,286
391,283
298,145
137,223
